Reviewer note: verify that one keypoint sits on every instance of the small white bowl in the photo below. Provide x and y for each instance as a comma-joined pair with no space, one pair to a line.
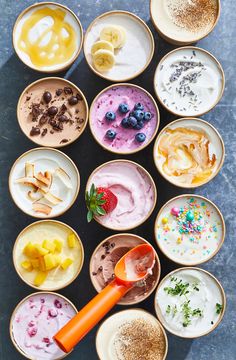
44,159
69,18
109,329
136,54
182,176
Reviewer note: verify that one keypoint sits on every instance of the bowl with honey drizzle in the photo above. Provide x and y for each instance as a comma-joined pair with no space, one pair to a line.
47,37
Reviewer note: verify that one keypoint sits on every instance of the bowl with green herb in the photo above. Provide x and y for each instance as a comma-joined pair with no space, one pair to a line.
190,302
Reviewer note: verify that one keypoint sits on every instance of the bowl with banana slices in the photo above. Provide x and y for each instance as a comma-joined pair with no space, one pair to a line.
112,46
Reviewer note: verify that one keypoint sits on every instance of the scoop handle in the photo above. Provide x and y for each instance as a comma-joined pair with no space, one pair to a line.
68,336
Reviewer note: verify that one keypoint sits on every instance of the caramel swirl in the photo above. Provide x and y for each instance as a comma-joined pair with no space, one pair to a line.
185,155
54,39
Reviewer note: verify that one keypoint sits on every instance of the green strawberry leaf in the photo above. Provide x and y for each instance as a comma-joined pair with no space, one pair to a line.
100,210
89,216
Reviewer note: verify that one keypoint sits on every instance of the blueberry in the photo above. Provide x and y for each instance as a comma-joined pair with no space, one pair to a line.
110,116
140,137
123,108
139,114
138,106
110,134
139,125
132,121
125,123
147,116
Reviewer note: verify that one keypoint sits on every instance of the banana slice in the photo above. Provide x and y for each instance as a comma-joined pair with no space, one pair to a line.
103,60
114,34
102,44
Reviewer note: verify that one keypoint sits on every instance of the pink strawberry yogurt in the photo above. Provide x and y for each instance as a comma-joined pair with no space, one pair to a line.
134,189
36,320
109,100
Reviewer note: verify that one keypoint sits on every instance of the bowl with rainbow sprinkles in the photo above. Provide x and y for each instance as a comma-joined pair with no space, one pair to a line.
189,229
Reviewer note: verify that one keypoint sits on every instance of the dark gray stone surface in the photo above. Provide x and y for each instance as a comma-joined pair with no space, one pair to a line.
14,76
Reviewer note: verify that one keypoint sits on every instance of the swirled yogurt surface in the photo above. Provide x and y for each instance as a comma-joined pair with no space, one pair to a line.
189,302
36,320
109,100
47,37
134,189
189,81
189,152
189,229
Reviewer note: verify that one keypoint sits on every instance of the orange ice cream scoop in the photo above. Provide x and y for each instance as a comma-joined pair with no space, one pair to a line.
134,266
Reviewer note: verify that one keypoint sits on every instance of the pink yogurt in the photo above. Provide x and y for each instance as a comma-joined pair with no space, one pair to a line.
36,321
134,190
110,100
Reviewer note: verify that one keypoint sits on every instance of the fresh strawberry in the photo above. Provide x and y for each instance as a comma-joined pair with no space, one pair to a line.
100,201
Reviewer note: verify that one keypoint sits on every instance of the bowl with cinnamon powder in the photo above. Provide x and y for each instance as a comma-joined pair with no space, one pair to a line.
131,334
183,22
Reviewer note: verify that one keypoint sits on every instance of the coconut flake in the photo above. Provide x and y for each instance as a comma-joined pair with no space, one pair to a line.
42,208
64,177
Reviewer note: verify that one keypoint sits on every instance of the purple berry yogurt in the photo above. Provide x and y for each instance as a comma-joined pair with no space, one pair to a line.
109,101
36,320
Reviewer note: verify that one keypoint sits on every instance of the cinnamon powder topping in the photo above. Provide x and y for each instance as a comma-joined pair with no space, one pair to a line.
193,15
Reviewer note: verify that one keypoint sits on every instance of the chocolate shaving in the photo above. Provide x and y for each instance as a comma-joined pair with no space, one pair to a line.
59,92
68,90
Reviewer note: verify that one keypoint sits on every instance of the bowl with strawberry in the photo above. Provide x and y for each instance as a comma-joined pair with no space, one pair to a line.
124,118
120,195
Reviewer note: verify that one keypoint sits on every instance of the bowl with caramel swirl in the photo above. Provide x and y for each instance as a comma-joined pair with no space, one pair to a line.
189,152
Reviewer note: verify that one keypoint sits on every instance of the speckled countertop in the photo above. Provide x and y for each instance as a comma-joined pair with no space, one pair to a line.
14,76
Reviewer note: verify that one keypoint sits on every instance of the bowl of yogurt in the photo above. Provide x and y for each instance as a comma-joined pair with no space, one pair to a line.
48,255
47,37
143,333
182,22
104,259
133,188
52,112
189,229
124,118
44,182
189,152
118,46
189,81
190,302
34,322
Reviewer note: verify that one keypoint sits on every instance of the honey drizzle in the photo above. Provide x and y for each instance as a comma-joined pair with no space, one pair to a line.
40,56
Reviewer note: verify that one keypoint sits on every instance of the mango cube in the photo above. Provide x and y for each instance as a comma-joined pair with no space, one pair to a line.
40,250
35,263
58,245
42,266
71,240
50,261
26,265
40,278
57,259
30,251
66,263
49,245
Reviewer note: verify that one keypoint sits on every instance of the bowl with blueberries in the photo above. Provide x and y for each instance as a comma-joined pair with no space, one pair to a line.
124,118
